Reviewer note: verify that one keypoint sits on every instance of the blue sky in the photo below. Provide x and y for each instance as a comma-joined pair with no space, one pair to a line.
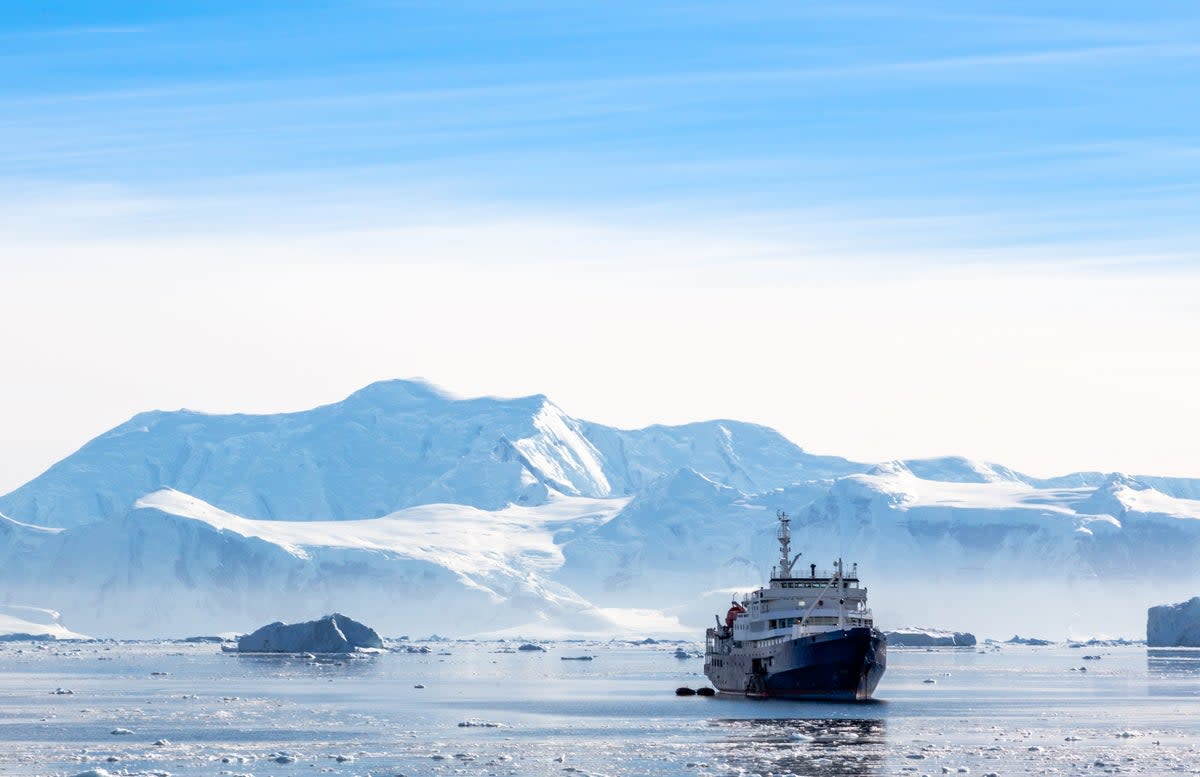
1039,162
1037,122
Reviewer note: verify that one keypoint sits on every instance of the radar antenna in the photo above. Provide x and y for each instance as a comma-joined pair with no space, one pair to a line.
784,533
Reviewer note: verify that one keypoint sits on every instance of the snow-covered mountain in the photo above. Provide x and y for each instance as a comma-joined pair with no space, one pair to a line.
392,445
419,512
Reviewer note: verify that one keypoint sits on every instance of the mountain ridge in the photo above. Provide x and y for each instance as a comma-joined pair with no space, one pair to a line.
502,514
390,445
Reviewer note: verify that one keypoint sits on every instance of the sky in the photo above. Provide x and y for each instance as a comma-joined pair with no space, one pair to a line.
887,230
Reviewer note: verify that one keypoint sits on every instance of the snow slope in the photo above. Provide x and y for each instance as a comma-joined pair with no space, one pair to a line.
744,456
18,620
176,565
392,445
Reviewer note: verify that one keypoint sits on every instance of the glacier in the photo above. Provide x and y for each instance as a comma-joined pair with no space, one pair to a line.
422,512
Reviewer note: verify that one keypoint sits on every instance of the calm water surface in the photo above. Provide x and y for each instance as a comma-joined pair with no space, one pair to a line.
192,710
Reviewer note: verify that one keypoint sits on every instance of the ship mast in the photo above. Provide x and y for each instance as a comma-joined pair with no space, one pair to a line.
784,533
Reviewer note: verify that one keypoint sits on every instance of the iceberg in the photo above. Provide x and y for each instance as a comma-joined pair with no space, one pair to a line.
1174,625
332,634
921,637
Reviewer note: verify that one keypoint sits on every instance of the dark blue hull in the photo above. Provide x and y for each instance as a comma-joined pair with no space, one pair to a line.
835,665
841,665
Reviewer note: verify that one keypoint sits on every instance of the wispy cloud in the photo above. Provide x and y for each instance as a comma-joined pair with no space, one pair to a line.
352,88
74,31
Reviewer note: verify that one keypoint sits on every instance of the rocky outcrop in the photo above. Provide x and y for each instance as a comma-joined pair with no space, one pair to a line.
332,634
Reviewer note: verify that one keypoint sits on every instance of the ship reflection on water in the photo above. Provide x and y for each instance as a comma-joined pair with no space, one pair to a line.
821,747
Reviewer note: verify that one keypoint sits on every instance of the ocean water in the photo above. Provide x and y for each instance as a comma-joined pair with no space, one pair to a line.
193,710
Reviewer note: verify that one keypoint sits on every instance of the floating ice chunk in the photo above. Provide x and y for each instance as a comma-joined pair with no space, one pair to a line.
120,732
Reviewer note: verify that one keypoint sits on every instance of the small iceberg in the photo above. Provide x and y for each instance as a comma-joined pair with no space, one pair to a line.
925,637
1019,640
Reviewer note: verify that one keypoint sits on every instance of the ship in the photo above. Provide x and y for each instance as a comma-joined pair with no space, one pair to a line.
800,637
